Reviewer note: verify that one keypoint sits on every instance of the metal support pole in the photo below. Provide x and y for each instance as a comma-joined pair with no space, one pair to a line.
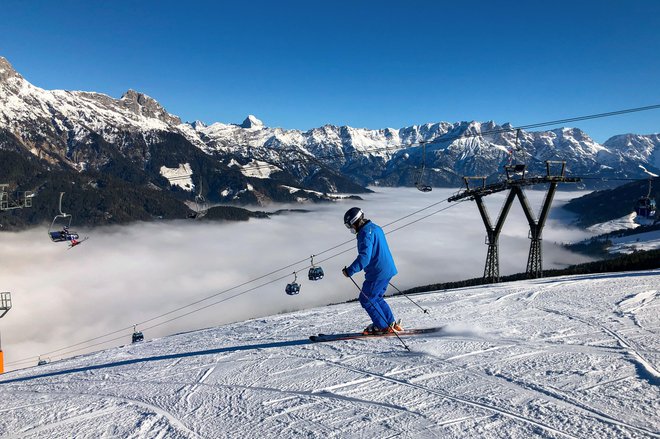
535,258
492,268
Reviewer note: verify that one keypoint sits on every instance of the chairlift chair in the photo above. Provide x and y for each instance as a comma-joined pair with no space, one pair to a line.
315,273
59,228
293,288
515,169
420,178
201,205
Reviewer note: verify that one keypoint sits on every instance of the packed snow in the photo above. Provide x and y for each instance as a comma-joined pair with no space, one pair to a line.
569,357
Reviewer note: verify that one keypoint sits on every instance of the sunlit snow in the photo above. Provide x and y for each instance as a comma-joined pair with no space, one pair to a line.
180,176
570,357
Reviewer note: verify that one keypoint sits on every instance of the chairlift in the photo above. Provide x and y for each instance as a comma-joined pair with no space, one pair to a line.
419,181
201,205
515,169
315,273
59,228
293,288
137,335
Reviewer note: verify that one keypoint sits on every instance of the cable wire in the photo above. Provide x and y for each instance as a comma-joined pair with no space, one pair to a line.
448,138
440,138
181,308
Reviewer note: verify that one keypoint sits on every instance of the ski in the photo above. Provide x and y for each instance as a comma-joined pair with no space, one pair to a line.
358,335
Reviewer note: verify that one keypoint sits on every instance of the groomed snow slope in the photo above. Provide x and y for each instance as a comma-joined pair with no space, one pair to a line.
574,357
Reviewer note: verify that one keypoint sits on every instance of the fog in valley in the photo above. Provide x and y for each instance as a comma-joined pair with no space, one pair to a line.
197,274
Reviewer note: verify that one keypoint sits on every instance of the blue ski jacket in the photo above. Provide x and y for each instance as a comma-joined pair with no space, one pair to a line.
374,255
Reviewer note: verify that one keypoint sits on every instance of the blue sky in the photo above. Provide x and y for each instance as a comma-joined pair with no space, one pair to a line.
373,64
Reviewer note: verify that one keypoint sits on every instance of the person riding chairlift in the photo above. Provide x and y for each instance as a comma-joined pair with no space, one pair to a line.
65,235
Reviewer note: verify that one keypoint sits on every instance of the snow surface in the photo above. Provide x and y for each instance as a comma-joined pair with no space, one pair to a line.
625,222
641,241
569,357
258,169
180,176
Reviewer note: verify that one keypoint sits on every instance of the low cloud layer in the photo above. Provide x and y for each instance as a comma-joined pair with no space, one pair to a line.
127,275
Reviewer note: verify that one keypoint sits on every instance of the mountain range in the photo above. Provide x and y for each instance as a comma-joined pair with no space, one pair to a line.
88,138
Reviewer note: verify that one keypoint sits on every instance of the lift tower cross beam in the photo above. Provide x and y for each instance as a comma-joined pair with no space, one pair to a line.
24,199
5,303
514,186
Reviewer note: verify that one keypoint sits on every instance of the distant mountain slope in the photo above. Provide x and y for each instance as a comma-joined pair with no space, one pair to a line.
605,205
135,139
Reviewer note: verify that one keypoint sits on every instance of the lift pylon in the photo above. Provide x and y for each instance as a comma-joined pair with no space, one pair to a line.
514,185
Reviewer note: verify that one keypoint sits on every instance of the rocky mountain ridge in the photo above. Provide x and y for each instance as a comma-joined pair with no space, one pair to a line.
135,139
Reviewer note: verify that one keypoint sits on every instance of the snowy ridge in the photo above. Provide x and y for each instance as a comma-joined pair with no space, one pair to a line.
568,357
61,126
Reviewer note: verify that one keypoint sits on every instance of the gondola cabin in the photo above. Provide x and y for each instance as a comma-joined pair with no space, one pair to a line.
137,336
293,288
646,207
315,273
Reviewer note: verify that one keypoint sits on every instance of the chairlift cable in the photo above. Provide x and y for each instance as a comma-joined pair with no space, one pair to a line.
265,275
445,138
85,342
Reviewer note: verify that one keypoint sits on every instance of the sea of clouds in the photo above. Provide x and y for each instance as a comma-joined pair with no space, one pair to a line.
125,275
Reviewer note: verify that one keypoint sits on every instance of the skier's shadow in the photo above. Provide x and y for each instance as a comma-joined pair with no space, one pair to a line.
279,344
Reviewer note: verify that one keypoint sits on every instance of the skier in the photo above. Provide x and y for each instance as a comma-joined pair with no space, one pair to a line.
375,259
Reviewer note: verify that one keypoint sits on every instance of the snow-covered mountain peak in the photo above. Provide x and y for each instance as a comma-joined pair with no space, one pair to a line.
143,105
252,122
7,71
198,124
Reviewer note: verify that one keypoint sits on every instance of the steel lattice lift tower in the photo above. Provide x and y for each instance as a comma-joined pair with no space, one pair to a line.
515,181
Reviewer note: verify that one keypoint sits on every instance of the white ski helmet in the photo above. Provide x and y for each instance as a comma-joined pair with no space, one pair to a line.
352,215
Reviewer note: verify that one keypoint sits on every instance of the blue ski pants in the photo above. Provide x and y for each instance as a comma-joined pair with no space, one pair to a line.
371,299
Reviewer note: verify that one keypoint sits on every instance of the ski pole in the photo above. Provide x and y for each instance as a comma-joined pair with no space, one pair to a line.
379,311
426,311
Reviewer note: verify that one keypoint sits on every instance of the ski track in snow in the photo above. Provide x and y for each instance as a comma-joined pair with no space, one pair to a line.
572,357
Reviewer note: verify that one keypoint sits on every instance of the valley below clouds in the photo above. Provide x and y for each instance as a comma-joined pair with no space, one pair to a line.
179,276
